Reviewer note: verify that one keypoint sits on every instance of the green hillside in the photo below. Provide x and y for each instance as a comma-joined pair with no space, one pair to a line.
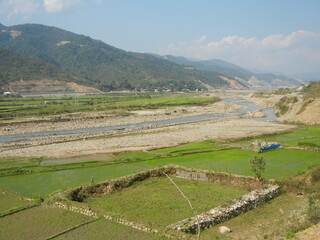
14,67
106,67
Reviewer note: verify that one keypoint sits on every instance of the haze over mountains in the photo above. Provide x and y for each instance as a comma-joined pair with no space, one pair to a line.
39,52
242,75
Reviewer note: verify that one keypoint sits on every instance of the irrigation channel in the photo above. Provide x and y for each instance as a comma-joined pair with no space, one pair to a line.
249,107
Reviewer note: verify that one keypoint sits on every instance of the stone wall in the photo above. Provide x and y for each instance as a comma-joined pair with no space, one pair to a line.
221,214
192,175
104,188
82,210
244,182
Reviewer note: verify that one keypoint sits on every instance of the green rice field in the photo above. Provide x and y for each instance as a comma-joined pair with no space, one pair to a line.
41,106
10,202
156,202
39,223
107,230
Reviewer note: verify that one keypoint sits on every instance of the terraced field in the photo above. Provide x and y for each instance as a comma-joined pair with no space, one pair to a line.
141,203
39,223
157,203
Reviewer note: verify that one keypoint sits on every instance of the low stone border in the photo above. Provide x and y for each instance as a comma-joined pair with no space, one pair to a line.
221,214
244,182
88,212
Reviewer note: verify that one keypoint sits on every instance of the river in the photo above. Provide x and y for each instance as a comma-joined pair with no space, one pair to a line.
249,107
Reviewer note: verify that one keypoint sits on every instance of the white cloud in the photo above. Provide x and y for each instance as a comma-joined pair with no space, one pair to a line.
23,8
58,6
26,8
202,39
297,51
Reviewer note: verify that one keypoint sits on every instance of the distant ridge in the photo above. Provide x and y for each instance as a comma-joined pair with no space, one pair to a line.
230,70
307,76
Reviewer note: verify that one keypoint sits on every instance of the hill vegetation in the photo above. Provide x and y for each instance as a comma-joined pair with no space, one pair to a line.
312,90
303,109
104,66
15,67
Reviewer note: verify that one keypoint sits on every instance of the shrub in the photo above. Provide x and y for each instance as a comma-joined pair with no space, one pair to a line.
283,104
315,174
313,213
257,166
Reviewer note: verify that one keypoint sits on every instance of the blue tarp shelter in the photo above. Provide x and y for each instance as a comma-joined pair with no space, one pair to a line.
269,147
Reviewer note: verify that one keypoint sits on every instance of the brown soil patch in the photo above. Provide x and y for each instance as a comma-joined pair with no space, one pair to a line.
312,233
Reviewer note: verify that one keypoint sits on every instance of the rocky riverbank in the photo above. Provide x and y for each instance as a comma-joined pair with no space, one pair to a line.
143,139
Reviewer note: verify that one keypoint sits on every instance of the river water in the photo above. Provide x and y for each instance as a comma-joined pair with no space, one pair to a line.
249,107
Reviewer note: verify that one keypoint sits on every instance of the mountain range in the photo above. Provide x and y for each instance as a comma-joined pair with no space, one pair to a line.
246,77
308,76
38,52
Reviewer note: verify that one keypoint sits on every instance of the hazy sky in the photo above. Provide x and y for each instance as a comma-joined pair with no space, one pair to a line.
276,35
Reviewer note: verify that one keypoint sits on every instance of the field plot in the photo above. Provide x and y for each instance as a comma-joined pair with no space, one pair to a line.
44,183
11,108
10,202
300,137
279,216
107,230
156,202
281,164
38,223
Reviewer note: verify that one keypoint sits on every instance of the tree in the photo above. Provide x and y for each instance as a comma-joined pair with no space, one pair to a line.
257,166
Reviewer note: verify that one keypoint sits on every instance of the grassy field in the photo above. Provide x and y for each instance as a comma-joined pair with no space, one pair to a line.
156,202
107,230
11,108
39,223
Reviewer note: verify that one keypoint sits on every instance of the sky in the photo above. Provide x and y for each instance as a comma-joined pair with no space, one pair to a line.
280,36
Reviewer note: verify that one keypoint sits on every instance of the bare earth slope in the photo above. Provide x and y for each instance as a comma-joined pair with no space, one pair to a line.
312,233
307,115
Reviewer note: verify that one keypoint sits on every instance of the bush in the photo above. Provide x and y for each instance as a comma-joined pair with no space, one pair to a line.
313,213
315,174
283,104
257,166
